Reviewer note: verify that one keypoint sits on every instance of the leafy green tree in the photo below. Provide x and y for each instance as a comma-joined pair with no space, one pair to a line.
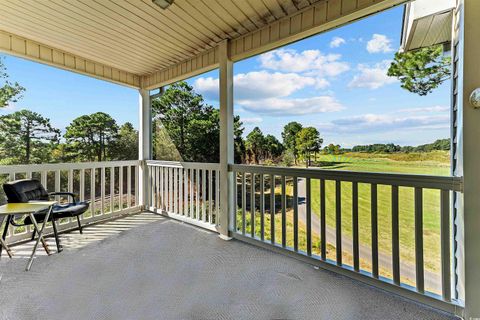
273,147
190,126
421,71
125,146
90,137
332,149
308,141
289,136
255,144
27,137
9,92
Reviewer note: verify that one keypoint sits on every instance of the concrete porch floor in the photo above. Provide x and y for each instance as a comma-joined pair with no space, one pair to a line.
149,267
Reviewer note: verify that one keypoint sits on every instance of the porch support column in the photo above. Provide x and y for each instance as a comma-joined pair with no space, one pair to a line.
469,79
144,143
226,141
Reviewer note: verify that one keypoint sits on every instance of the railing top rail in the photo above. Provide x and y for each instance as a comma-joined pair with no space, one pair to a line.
185,165
64,166
404,180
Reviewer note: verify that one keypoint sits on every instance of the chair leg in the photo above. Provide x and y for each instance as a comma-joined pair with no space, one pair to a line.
80,228
55,233
5,230
34,233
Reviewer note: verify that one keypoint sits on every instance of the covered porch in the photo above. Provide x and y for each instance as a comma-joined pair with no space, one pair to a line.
205,249
143,266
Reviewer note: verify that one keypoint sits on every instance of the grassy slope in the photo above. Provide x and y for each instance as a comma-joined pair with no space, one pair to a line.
435,163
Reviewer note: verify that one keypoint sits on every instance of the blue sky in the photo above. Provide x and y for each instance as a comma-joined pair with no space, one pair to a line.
335,81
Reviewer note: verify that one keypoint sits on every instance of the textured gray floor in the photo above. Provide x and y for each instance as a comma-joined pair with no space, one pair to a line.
162,269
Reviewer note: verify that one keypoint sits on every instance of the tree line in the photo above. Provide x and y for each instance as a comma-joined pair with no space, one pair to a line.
439,144
28,137
186,128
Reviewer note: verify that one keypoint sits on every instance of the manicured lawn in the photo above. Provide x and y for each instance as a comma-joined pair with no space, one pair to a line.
435,163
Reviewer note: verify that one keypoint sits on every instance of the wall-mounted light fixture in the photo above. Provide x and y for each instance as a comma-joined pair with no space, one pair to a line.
164,4
475,98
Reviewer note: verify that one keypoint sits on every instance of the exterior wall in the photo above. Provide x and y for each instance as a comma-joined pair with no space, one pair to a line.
25,48
322,16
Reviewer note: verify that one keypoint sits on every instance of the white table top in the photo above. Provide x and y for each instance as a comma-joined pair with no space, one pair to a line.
28,207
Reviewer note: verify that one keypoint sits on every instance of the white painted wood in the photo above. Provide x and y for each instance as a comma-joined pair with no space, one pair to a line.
227,213
144,142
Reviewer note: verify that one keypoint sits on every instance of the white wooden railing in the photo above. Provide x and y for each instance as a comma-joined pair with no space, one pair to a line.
187,191
113,187
255,213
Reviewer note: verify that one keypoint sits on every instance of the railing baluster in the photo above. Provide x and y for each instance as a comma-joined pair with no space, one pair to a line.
161,184
272,209
170,190
445,244
295,213
102,190
70,180
252,205
180,191
235,200
191,193
120,181
204,203
323,222
217,196
374,229
137,200
175,190
197,194
395,237
129,186
112,189
210,195
419,240
284,212
43,177
244,203
185,192
308,194
262,207
82,184
92,191
156,189
338,221
57,182
356,251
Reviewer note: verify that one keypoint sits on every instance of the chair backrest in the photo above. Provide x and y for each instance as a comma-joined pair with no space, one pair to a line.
24,190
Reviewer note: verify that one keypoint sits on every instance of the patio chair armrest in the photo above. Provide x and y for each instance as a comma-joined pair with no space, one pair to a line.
61,193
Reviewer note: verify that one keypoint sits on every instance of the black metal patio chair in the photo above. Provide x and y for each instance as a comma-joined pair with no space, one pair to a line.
26,190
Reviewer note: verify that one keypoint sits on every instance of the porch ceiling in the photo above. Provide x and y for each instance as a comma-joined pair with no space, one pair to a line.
138,36
125,40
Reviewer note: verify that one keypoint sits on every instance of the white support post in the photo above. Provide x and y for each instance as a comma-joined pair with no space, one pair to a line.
144,143
469,79
226,141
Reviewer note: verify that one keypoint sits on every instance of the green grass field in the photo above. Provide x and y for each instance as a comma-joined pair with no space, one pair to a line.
433,163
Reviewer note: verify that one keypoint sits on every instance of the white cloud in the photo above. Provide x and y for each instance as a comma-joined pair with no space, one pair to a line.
337,42
309,61
372,77
259,84
321,83
368,123
254,120
426,109
292,106
379,43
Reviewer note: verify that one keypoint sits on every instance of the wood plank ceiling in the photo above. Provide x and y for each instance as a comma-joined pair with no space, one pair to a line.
136,35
